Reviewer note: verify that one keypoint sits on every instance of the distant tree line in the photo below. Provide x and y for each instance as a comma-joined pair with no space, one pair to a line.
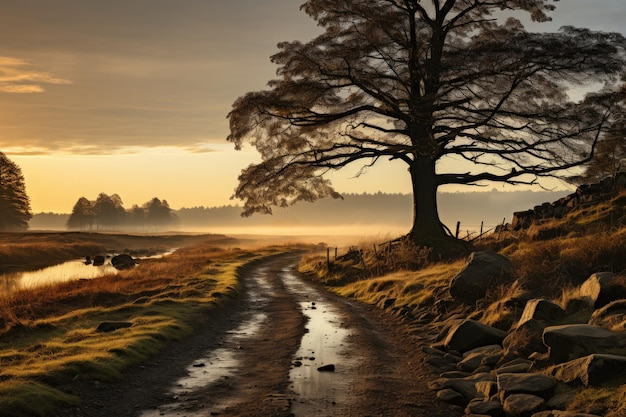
108,212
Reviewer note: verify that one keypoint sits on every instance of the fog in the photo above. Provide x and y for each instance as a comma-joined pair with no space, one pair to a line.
379,215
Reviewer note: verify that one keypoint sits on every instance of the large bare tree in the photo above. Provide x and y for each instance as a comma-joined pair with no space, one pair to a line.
425,82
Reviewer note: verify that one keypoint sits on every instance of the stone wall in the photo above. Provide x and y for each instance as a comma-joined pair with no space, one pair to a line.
584,195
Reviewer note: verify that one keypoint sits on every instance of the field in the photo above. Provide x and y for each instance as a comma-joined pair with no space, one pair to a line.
48,334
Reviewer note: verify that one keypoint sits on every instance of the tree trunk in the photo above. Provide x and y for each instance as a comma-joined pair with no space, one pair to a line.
427,228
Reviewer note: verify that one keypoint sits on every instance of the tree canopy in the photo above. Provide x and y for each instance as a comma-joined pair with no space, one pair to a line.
14,202
457,90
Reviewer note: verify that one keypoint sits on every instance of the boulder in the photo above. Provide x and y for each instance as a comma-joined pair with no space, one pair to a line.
464,386
473,359
487,408
593,370
515,367
543,310
572,341
525,339
522,219
482,271
603,287
612,316
450,396
530,383
523,405
123,261
98,260
470,334
565,396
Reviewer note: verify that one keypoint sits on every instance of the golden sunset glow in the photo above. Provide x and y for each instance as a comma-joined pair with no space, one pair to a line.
131,97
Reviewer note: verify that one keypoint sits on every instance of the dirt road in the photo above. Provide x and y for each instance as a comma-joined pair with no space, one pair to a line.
284,348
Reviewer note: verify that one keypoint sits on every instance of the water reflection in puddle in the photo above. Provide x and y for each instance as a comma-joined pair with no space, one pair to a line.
325,343
218,365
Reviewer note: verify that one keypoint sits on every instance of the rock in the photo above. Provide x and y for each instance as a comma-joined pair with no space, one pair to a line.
109,326
612,316
441,364
482,271
593,370
518,368
454,374
525,339
536,384
562,400
485,390
450,396
98,260
471,363
474,358
523,405
542,310
470,334
123,261
465,386
467,389
327,368
571,341
603,287
487,408
522,219
491,360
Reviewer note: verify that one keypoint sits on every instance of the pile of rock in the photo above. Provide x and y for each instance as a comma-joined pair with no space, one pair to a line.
536,367
584,195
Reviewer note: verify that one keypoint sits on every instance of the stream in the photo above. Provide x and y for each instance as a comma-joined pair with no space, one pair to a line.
67,271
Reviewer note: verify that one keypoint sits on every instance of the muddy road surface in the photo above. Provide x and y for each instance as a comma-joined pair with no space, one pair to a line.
285,347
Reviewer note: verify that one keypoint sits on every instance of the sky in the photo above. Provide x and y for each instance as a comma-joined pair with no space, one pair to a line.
131,96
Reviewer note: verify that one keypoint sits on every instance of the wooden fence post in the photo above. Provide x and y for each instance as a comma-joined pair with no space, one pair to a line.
501,227
328,258
458,227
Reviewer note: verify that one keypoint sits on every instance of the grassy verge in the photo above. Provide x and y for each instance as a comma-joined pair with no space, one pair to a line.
50,335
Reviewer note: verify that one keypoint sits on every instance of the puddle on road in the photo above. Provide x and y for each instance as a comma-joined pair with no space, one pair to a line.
325,343
218,365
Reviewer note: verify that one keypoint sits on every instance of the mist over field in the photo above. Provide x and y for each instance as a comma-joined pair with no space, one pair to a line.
356,214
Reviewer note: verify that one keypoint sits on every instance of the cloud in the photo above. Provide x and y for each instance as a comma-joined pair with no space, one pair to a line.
17,76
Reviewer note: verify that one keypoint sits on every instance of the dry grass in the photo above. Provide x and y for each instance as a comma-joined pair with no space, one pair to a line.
411,290
50,336
39,254
609,401
26,305
550,267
